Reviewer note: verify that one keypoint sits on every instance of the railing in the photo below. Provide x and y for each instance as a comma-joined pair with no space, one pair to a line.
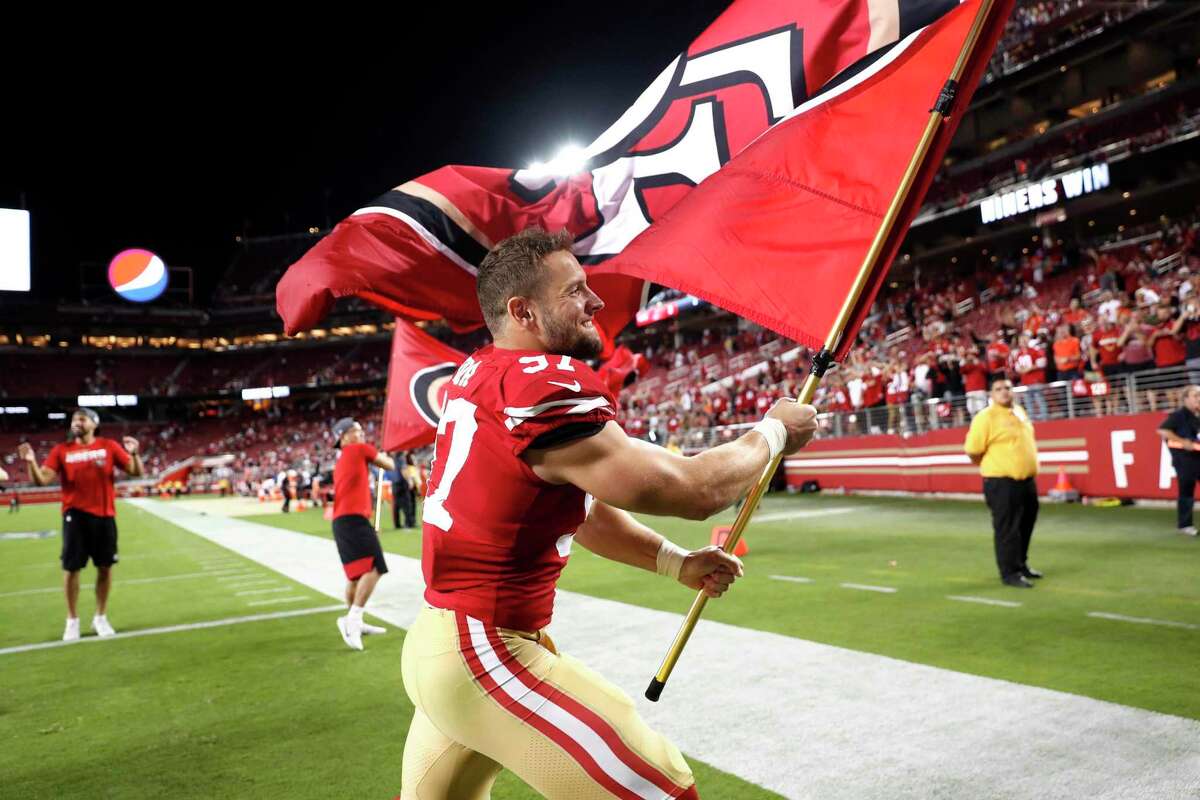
1156,390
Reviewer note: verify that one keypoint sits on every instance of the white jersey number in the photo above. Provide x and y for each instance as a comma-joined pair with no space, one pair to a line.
461,412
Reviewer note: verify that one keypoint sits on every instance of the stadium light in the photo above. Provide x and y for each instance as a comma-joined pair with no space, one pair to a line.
569,160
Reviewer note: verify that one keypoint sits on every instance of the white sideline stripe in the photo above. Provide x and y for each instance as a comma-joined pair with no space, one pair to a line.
983,601
244,584
865,588
240,575
779,516
790,578
278,601
1144,620
117,582
263,591
1060,457
568,724
809,715
192,626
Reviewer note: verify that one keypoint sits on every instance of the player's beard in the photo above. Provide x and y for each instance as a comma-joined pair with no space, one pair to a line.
568,339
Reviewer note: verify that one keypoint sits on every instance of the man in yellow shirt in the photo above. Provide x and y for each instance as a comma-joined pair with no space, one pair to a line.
1001,442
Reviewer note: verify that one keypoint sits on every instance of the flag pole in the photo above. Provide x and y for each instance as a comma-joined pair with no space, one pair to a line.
823,360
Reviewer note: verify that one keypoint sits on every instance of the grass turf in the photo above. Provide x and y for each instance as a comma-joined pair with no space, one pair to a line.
271,708
1125,561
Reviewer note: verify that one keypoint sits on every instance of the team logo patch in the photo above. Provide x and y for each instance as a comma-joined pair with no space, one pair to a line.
427,388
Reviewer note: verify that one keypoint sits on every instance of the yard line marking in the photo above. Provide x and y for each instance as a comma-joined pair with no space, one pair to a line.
118,582
216,623
244,584
781,516
866,588
790,578
264,591
1144,620
983,600
254,574
278,600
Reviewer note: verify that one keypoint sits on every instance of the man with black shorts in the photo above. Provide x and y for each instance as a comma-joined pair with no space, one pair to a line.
85,466
357,542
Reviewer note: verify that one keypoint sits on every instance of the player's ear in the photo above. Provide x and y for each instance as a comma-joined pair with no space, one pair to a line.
520,312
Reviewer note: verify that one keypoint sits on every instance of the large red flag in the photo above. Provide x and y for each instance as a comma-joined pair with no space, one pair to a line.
414,250
779,233
417,374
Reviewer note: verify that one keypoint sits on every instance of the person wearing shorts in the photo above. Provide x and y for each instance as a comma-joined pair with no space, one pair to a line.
86,466
357,540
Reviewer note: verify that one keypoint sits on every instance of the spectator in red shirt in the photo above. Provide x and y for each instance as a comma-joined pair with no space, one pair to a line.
1030,364
975,381
85,466
998,355
1170,354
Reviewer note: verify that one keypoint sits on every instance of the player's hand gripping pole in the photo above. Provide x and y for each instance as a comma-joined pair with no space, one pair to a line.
824,359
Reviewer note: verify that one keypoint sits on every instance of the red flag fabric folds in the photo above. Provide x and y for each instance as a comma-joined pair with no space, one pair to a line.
419,368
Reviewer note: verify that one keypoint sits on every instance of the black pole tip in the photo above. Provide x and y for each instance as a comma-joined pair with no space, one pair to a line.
654,690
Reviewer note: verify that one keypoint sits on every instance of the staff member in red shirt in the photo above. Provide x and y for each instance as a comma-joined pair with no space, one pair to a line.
356,539
85,466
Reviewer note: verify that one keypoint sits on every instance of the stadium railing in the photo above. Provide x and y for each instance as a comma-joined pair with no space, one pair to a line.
1148,391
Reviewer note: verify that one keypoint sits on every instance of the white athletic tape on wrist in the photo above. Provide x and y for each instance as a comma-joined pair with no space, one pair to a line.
776,435
670,559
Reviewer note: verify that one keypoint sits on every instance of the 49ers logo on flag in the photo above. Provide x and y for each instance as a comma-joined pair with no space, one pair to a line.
418,373
414,250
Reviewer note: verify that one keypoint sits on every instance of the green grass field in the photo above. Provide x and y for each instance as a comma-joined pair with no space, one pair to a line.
280,708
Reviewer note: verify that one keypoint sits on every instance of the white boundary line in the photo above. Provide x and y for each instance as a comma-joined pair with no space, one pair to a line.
264,591
1144,620
216,623
865,588
983,601
790,578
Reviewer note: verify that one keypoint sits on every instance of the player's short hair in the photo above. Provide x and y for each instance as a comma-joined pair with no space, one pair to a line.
514,268
999,379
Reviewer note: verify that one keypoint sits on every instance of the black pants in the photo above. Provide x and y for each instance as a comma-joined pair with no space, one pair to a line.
1014,506
1187,470
404,500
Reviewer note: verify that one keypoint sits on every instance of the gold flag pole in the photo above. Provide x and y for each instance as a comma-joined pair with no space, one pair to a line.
824,359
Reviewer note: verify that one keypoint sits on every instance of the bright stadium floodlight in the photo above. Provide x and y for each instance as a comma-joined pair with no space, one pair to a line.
568,161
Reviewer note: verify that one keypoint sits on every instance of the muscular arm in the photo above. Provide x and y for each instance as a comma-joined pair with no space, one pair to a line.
617,536
638,476
385,461
40,475
135,468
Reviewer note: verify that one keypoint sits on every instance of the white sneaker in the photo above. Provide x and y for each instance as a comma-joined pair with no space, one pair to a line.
71,633
372,630
351,632
1190,530
102,627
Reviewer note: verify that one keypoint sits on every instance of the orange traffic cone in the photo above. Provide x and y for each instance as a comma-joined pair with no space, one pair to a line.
721,532
1064,484
1063,491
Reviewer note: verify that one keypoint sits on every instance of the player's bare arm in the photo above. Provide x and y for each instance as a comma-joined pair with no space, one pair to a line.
38,474
616,535
638,476
385,461
135,468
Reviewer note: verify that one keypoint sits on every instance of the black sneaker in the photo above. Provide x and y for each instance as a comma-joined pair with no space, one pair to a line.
1030,572
1017,581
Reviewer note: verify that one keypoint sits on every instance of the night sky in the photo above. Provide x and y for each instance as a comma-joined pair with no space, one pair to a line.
179,136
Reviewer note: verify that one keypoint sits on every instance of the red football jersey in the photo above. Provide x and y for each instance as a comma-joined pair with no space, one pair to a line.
495,535
86,474
351,483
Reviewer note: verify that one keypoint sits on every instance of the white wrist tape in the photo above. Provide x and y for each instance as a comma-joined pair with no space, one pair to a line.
776,435
670,559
